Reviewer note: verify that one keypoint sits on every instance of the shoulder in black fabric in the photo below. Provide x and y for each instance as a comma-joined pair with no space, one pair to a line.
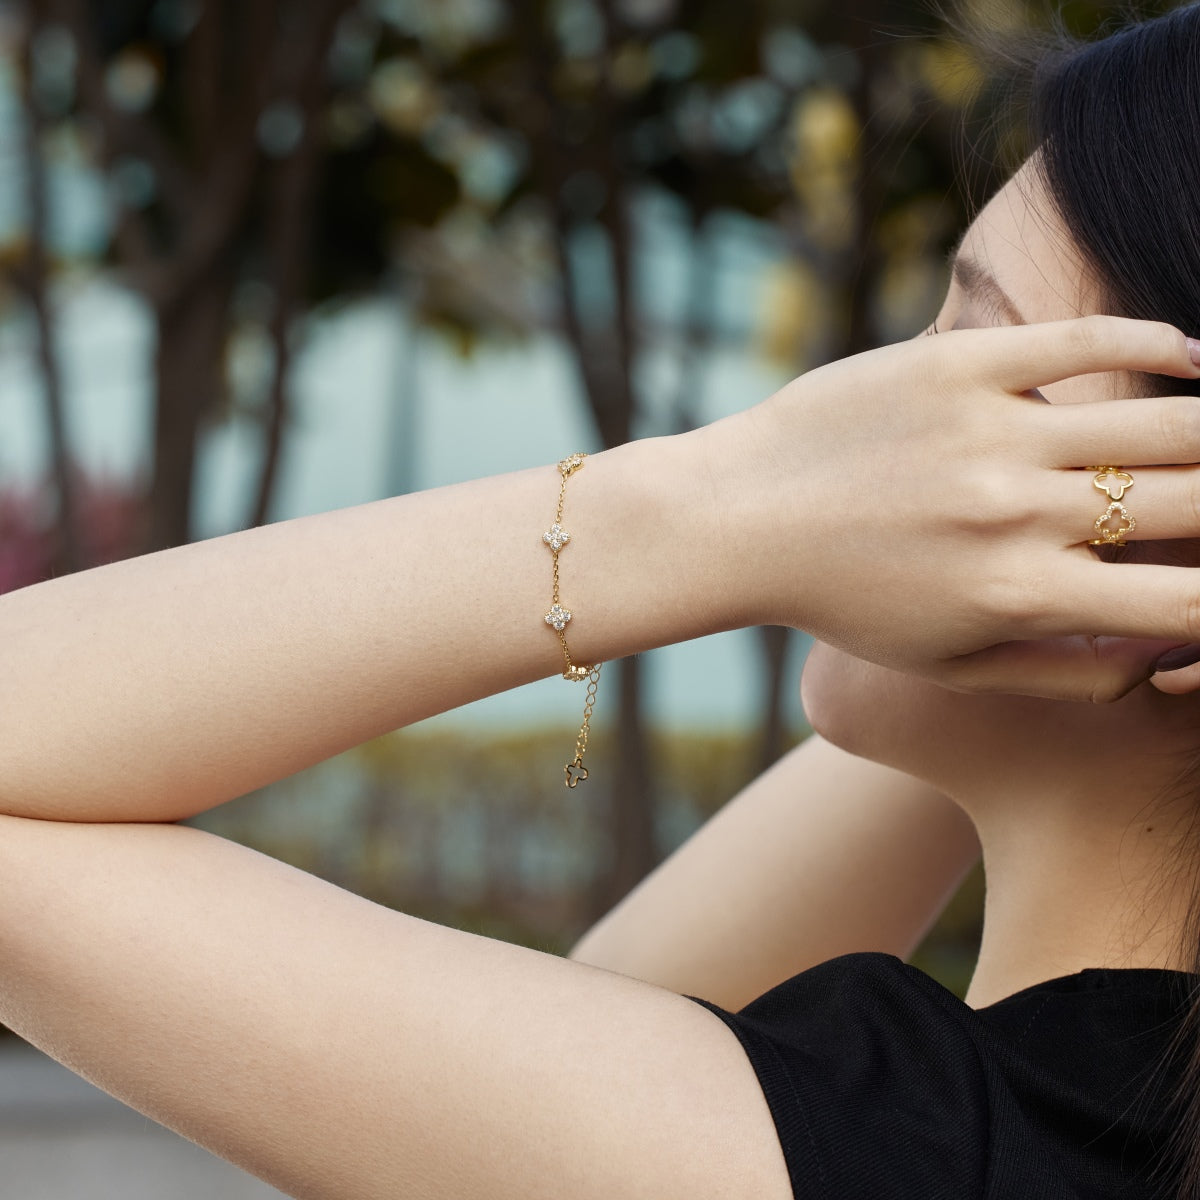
885,1086
1080,1074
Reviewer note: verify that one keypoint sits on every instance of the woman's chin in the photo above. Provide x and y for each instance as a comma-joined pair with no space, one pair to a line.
841,699
951,740
873,712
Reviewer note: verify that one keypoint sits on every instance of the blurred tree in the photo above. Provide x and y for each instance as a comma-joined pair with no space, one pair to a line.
501,167
31,275
722,112
208,119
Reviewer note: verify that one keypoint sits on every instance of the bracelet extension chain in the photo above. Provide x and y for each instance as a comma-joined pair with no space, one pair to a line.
556,537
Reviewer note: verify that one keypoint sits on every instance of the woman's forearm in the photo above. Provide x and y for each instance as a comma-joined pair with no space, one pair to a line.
155,688
824,854
343,1051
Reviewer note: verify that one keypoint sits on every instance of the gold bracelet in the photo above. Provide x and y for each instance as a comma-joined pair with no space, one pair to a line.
556,537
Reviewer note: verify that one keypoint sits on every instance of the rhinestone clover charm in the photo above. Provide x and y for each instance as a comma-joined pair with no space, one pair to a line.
1109,536
556,537
558,617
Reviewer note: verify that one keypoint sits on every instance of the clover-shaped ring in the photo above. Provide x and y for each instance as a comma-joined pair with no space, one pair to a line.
1112,481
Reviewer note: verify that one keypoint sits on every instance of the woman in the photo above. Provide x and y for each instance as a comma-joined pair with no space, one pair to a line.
919,507
1064,1080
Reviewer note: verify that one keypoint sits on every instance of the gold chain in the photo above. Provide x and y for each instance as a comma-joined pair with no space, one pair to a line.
556,537
589,704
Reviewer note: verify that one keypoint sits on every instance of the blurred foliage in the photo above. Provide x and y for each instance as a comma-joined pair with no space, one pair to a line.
949,951
491,162
494,166
477,830
111,528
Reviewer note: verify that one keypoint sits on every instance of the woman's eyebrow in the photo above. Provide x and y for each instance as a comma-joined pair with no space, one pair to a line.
975,279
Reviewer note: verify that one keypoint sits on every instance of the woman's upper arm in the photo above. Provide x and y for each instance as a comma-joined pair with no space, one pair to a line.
344,1052
824,854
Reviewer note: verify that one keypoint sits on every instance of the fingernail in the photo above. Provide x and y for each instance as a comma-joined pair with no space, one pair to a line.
1181,656
1194,350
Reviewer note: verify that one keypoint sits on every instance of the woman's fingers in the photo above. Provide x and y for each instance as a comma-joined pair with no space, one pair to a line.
1162,503
1047,353
1160,430
1122,600
1136,436
1097,670
1178,674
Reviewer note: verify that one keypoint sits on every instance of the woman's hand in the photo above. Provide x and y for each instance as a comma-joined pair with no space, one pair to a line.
912,505
931,512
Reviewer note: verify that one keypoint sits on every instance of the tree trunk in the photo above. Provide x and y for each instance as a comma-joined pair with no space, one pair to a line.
631,812
190,378
290,238
289,241
34,278
774,641
605,358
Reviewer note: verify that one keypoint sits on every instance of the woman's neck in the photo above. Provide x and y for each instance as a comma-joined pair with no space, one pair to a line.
1069,887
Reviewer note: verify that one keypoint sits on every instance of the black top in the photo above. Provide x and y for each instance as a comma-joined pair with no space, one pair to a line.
885,1086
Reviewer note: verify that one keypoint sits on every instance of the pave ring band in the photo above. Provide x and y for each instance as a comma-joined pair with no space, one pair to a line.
1116,521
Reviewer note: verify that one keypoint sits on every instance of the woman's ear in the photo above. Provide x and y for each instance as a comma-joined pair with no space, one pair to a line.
1178,683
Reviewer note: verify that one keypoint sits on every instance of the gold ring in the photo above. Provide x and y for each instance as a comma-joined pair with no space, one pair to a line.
1114,483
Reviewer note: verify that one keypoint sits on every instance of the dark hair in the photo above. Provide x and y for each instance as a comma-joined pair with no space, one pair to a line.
1116,126
1116,123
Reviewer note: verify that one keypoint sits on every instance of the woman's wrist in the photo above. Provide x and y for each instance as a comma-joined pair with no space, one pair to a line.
756,496
652,558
